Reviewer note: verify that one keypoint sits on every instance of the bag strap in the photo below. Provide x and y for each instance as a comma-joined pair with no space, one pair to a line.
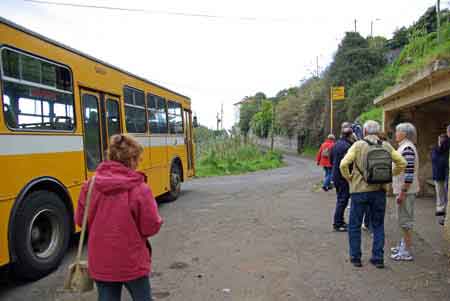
379,142
85,216
368,141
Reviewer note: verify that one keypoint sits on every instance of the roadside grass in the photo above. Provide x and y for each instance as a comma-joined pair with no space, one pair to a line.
230,157
310,151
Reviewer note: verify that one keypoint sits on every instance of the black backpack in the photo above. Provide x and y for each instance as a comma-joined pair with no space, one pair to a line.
378,164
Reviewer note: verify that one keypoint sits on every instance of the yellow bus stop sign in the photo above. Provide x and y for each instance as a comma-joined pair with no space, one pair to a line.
338,93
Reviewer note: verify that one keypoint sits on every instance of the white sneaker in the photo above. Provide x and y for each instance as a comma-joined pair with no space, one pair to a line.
398,248
402,256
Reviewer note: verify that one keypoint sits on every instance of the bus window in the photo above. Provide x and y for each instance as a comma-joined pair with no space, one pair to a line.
175,117
113,117
39,93
135,110
91,131
157,113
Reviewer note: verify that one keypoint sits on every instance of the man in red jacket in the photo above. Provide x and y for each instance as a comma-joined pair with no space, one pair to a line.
323,159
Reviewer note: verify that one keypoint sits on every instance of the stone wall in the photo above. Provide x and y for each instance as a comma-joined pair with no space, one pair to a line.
285,144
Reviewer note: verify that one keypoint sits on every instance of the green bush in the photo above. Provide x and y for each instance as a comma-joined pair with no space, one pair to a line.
361,95
310,151
230,157
422,50
374,114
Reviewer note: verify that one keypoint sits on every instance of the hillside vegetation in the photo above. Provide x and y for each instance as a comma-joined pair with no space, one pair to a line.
365,66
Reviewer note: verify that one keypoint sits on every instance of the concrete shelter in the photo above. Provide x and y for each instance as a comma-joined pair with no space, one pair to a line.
424,100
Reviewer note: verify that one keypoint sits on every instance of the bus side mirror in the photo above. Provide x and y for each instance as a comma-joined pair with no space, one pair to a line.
195,122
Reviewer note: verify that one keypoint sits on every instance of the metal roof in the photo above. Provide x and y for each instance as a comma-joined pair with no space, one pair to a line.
58,44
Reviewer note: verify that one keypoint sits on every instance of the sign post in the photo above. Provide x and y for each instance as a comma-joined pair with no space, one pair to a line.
336,93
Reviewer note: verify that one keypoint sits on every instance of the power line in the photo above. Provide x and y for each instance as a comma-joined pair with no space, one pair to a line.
161,12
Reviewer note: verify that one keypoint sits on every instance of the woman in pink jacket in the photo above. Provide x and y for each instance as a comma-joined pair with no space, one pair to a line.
122,215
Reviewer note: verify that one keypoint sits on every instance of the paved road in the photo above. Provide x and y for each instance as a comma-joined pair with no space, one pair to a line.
265,236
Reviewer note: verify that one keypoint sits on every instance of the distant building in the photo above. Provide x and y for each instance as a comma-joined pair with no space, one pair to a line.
237,107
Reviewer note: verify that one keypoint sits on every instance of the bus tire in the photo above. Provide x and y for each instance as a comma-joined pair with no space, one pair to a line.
42,231
175,183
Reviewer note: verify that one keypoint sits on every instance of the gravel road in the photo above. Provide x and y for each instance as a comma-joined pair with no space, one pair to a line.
264,236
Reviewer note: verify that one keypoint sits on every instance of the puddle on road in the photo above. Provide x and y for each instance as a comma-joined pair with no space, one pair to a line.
178,265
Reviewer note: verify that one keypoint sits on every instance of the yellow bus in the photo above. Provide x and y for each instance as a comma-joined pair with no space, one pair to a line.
59,108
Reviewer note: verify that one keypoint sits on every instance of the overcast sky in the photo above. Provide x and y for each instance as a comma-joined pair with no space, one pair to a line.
215,60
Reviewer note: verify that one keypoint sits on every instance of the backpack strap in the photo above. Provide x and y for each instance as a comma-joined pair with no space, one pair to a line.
379,142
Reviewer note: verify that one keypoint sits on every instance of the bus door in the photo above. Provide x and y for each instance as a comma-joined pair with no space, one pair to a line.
101,120
188,141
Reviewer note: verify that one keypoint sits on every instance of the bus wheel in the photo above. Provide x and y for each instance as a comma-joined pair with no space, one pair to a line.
42,230
175,183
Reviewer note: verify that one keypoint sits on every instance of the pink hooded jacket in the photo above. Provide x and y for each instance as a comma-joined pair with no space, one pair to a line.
122,215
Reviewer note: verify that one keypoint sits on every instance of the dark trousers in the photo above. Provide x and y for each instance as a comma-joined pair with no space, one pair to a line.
139,290
342,195
367,219
375,202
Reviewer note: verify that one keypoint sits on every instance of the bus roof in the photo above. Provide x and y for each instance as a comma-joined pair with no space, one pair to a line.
58,44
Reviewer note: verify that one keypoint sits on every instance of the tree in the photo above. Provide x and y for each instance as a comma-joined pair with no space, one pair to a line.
261,122
400,38
427,22
250,106
355,61
259,96
247,111
360,97
377,42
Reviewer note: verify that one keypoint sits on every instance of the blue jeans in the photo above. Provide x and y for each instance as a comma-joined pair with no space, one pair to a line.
373,204
366,220
328,177
139,290
342,195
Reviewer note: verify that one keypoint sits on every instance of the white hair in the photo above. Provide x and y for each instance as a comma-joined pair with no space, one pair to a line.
409,129
371,127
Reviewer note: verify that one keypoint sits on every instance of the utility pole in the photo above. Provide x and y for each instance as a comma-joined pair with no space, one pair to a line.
438,11
217,121
317,66
371,26
331,110
221,116
355,25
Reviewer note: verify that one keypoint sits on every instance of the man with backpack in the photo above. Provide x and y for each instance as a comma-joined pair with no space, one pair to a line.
372,161
323,159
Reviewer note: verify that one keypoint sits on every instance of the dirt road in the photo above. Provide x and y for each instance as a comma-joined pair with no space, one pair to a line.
265,236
